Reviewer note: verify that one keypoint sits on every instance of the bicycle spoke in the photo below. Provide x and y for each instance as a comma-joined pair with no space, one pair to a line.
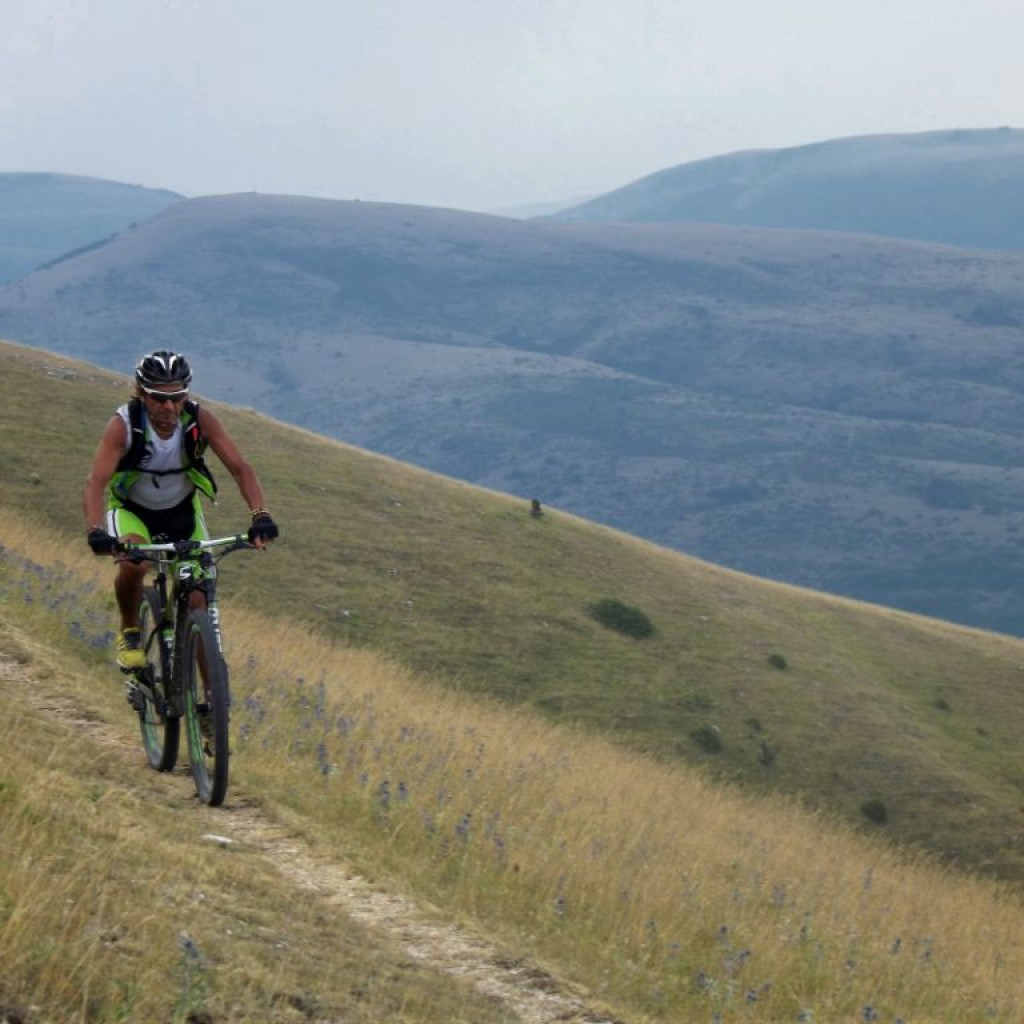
160,730
205,691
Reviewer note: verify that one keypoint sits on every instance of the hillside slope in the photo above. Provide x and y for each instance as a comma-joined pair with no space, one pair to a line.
390,851
44,216
780,689
828,410
956,187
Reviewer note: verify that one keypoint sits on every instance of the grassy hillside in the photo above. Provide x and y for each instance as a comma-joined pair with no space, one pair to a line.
852,708
646,892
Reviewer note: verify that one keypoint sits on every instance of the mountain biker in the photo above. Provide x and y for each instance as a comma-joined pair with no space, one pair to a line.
146,478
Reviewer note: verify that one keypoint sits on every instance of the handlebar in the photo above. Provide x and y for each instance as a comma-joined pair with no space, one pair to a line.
183,548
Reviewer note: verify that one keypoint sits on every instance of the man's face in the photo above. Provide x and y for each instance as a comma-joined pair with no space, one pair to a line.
163,404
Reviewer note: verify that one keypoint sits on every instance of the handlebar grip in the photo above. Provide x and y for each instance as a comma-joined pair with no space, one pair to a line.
129,552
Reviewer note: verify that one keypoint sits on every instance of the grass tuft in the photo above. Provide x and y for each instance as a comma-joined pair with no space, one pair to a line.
708,738
875,811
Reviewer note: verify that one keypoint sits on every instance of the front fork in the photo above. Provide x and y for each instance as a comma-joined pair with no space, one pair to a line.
192,576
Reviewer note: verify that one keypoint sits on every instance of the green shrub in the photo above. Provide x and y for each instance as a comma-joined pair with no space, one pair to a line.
875,810
696,702
708,738
621,617
778,661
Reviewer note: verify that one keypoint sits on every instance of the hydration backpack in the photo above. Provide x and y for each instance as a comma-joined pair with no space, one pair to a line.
130,466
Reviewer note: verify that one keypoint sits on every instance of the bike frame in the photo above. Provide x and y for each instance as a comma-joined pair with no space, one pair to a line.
186,677
192,566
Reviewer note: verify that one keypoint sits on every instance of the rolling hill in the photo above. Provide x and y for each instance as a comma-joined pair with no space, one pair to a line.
778,689
831,410
45,216
955,187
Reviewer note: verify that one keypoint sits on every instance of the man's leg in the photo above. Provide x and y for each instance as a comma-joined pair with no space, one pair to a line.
128,585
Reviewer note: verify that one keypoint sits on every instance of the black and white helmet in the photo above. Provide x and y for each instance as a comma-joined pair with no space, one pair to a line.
163,367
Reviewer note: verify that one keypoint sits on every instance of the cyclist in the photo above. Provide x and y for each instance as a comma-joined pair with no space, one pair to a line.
147,477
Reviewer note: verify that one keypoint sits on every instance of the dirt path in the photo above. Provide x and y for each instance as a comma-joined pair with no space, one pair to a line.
528,992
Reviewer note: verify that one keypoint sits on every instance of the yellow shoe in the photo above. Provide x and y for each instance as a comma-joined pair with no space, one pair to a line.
130,655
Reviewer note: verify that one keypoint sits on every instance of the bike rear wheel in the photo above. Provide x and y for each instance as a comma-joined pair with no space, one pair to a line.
159,725
204,679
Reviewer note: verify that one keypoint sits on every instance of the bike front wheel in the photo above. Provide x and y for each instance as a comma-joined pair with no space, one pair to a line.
204,679
157,720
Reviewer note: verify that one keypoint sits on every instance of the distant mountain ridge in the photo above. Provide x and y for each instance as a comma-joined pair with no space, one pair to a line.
955,187
43,216
831,410
531,210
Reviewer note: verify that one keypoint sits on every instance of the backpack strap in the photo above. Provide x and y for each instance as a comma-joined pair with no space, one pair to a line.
195,446
195,443
136,439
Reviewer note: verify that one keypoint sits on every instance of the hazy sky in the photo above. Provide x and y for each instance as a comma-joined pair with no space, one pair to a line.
479,105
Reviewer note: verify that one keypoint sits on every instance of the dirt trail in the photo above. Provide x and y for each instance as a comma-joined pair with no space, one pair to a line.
531,994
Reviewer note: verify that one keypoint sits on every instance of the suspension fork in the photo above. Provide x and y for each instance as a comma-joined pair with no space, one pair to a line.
199,575
207,583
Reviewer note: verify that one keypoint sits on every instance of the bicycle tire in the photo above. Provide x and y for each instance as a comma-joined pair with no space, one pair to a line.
207,755
160,730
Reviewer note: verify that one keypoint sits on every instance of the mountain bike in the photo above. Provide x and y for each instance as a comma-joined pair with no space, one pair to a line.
185,676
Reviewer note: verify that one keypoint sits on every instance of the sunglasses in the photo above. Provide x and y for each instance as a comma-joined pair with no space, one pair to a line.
165,396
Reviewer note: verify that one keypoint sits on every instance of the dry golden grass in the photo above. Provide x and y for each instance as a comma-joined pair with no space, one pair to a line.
663,892
114,903
669,897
